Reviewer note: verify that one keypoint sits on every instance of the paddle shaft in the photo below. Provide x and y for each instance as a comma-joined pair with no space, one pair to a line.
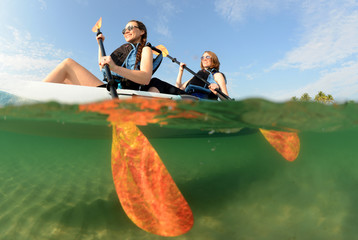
111,84
222,95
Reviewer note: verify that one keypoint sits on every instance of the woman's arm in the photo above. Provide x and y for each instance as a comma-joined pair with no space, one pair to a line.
220,79
185,85
178,83
141,76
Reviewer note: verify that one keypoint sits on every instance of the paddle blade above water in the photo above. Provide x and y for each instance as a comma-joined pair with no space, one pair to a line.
98,25
147,192
286,143
163,49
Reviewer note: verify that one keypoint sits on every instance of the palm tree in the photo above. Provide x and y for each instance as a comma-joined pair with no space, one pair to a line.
330,98
305,97
321,97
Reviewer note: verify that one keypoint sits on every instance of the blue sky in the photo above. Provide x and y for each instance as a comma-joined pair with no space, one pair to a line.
271,49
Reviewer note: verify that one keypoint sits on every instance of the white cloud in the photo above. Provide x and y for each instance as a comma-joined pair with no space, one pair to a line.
330,28
328,43
163,28
237,10
23,57
341,83
166,9
7,76
43,4
330,37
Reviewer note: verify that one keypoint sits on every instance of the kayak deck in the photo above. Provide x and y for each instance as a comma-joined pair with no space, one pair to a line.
70,94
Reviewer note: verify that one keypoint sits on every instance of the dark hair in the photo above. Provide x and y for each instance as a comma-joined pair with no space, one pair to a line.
215,63
142,42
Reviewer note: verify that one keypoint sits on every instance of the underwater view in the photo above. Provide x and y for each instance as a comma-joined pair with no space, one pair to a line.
58,165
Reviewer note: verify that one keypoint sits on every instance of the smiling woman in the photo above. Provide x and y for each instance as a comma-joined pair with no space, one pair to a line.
131,64
205,84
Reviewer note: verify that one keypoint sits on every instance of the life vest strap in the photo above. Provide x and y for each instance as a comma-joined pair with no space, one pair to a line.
158,59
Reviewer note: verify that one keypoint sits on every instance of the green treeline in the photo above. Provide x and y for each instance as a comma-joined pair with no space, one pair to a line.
320,97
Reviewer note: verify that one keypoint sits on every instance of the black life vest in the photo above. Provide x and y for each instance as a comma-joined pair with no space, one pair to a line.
125,56
197,87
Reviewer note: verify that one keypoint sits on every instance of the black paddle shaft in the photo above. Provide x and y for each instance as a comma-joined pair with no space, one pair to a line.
222,95
111,87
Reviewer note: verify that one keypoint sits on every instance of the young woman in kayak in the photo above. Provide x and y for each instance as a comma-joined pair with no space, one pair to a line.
210,66
135,33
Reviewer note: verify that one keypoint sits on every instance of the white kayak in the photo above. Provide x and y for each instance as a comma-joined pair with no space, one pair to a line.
69,94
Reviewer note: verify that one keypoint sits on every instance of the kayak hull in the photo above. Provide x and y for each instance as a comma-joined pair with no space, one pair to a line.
69,94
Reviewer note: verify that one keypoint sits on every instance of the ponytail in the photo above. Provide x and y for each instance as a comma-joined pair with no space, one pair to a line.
142,43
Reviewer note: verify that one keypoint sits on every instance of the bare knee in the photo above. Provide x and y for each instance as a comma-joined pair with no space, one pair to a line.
68,62
61,73
153,89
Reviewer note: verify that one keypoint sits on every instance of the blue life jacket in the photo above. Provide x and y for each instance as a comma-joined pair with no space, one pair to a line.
125,56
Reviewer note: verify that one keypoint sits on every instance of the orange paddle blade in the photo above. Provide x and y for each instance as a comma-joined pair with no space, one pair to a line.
98,25
163,49
286,143
147,192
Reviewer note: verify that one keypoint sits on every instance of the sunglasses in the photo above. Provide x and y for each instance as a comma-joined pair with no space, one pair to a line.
206,57
129,28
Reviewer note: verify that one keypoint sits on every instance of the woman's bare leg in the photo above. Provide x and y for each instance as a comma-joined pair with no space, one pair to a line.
70,72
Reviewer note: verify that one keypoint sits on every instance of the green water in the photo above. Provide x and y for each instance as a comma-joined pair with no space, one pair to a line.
56,183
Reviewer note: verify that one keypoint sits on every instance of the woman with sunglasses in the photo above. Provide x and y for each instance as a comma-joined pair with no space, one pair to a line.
134,74
210,66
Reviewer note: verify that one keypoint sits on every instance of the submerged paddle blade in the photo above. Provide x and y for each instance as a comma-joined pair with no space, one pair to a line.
98,25
147,192
286,143
163,49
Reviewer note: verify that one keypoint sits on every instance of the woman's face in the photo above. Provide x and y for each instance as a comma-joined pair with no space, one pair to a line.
132,33
206,60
